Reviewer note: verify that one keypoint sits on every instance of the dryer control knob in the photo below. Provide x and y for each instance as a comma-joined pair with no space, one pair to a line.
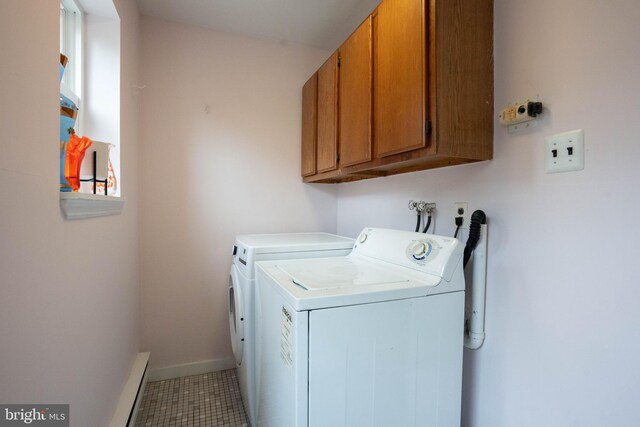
363,237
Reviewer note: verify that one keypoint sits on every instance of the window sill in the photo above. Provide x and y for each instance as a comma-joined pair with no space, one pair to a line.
82,205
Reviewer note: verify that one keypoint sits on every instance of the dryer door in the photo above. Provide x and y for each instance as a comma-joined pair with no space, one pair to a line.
236,314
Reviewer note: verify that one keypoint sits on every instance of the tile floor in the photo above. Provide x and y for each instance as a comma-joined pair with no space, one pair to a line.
207,400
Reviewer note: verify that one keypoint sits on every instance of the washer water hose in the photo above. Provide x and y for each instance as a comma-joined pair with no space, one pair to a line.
477,219
418,215
426,227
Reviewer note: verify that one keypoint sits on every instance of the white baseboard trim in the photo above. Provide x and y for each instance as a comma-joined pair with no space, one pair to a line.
131,396
194,368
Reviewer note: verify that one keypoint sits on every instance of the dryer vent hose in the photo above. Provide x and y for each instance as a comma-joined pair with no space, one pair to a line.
477,219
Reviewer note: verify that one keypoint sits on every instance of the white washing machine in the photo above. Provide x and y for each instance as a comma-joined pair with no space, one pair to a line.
374,338
247,250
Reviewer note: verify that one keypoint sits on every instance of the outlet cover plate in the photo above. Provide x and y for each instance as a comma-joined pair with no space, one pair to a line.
564,152
466,215
519,127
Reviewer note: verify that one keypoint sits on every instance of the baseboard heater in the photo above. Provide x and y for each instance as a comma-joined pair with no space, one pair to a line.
127,409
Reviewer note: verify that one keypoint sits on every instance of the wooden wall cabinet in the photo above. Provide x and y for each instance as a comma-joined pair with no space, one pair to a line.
356,85
400,76
309,125
327,145
320,120
415,91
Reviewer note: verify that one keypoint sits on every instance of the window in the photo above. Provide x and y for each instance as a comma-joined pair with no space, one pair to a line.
71,24
90,39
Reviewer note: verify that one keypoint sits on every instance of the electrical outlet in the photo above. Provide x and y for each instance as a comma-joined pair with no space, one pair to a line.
519,112
462,209
564,152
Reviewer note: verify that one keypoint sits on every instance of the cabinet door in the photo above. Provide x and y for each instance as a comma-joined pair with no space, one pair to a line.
309,125
355,96
399,76
328,115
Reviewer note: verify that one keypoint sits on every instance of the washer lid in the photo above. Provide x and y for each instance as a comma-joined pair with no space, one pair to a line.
339,273
334,282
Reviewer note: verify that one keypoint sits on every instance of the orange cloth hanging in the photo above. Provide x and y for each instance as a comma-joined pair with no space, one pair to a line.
75,154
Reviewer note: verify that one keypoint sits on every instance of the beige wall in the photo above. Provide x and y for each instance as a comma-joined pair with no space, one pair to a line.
221,156
562,322
563,331
69,298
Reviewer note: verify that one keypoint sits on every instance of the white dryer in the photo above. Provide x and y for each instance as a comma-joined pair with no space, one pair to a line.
247,250
371,339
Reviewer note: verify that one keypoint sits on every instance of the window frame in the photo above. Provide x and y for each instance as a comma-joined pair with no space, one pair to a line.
78,205
71,45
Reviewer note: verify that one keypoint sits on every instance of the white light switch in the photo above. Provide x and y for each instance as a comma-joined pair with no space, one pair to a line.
564,152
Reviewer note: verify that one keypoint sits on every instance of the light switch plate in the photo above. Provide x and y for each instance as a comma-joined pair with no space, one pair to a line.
564,152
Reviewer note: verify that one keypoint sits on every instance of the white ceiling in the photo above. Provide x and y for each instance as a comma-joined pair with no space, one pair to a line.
319,23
